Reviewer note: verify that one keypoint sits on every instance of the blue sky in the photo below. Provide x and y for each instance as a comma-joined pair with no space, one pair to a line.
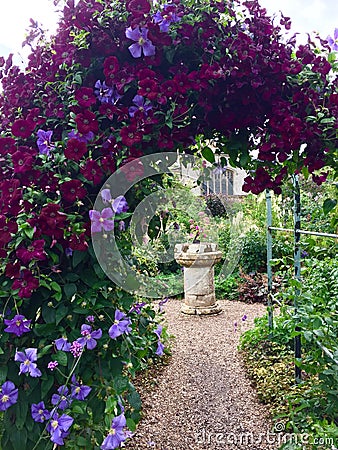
306,15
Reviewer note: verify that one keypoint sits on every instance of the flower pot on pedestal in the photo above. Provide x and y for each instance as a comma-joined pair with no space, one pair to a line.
198,261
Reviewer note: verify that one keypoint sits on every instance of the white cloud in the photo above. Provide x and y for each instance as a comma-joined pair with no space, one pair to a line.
307,16
14,19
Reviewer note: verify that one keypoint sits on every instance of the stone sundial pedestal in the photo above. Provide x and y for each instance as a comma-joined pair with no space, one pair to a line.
198,261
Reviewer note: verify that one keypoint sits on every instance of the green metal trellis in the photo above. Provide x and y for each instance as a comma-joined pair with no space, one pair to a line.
297,267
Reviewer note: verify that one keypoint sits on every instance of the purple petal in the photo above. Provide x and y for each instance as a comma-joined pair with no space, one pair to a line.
107,213
65,422
106,195
119,422
108,225
138,100
132,111
135,50
91,343
158,331
160,349
119,315
94,215
96,227
133,34
31,354
157,17
114,332
20,356
97,334
148,48
144,33
34,371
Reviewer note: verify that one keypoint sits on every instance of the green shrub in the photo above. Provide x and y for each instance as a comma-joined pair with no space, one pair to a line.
253,258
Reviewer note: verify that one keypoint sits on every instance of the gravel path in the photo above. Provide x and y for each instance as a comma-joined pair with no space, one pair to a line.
202,399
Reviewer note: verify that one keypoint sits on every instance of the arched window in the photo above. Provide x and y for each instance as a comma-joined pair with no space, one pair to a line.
220,181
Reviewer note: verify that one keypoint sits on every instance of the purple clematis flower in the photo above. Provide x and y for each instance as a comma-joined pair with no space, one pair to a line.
81,137
39,412
121,325
79,391
158,331
166,18
100,220
160,348
89,336
62,344
137,307
116,434
140,36
120,205
141,106
58,427
333,41
8,395
44,142
18,325
28,365
106,94
62,399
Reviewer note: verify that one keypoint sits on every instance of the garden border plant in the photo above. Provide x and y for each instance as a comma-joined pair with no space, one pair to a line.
122,79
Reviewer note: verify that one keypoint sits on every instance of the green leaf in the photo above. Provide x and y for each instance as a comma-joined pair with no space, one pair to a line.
72,277
99,272
78,257
46,386
61,358
70,289
61,312
19,439
29,232
48,314
131,424
134,400
57,296
3,373
328,205
44,330
208,155
82,442
78,409
21,414
45,350
55,286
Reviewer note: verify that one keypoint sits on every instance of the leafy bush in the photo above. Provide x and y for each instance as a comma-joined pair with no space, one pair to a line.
310,407
253,257
227,288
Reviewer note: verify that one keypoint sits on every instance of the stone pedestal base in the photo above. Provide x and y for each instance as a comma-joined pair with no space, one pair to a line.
200,310
198,261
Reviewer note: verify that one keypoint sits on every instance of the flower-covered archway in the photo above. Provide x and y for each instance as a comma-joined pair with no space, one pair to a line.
118,81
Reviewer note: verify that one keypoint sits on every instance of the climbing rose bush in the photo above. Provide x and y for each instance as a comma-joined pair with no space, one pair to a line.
122,79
